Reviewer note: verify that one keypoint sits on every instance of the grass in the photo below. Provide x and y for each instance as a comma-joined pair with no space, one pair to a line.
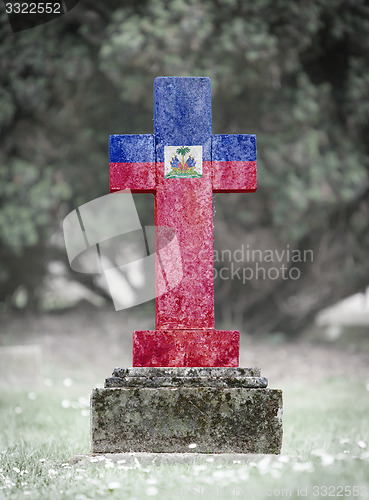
325,451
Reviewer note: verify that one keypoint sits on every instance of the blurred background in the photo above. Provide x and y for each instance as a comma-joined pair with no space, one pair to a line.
294,74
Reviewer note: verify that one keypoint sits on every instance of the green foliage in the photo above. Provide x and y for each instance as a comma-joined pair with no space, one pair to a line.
294,73
31,199
183,151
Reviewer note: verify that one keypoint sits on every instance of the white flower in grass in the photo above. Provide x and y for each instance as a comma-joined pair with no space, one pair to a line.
152,480
32,396
318,453
65,403
327,460
344,440
199,467
109,465
192,446
152,491
52,472
220,474
114,485
277,465
94,459
361,444
84,402
15,469
42,460
48,382
121,461
124,467
275,473
67,382
264,464
243,474
18,410
303,467
26,492
210,459
8,482
85,413
341,456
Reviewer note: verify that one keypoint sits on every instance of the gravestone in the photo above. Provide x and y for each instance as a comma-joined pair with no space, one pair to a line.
185,387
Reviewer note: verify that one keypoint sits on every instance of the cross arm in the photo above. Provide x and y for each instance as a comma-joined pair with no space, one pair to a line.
132,163
234,163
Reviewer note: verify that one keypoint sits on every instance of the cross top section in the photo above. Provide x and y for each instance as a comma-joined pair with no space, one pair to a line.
183,164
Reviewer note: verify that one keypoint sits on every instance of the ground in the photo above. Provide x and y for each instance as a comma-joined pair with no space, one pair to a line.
42,427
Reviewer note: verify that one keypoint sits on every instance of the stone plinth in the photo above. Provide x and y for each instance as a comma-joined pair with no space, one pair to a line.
165,410
206,347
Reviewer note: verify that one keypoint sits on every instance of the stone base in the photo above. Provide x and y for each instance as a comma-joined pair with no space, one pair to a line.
163,410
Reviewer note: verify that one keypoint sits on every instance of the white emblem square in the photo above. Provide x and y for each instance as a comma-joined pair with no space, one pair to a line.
182,161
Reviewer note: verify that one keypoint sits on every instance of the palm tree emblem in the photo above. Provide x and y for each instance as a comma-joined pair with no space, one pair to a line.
183,151
183,162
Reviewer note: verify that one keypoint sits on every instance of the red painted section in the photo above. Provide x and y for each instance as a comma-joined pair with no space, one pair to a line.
138,177
186,205
185,334
186,347
234,176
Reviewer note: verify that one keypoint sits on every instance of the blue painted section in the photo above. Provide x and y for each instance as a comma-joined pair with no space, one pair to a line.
234,147
131,148
182,113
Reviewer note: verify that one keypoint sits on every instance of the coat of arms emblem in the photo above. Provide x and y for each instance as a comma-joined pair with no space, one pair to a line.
183,161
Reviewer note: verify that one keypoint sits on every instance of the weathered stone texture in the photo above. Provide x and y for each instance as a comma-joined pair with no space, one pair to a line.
186,376
166,419
188,371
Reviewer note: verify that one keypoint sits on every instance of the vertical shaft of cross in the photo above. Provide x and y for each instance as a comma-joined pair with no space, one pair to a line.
182,117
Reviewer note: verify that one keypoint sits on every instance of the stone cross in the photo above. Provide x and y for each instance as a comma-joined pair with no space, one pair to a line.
183,164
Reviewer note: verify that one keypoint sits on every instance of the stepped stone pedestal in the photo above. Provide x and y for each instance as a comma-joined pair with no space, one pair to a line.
165,410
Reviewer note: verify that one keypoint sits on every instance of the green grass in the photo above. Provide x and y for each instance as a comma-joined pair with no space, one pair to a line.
325,430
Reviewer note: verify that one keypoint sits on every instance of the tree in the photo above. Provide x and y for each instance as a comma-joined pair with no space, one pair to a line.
296,75
183,151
